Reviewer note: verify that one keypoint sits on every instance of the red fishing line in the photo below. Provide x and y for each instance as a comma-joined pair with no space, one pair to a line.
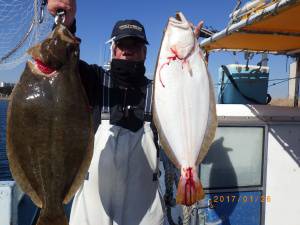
170,58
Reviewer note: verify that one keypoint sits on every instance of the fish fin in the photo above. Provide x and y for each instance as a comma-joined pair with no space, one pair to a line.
189,190
15,166
46,219
22,180
212,124
78,180
163,140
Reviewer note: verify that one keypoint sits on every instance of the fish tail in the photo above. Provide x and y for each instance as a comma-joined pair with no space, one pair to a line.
52,219
189,188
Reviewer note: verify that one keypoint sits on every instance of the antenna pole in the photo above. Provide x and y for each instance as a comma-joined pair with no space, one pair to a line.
297,81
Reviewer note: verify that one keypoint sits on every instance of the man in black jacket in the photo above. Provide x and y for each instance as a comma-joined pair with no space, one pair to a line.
121,186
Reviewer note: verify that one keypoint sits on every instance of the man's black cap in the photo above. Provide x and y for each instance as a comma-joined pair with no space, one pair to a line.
129,28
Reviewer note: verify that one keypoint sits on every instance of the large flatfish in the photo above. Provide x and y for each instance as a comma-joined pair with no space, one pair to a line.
49,126
184,105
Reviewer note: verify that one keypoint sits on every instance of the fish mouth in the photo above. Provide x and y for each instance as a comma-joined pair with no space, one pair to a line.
179,16
37,70
179,21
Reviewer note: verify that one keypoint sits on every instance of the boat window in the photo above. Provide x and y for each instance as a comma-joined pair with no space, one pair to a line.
234,159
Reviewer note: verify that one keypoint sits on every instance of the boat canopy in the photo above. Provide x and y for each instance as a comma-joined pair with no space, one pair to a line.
272,27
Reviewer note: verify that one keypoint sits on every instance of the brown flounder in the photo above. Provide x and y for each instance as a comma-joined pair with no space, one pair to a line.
49,126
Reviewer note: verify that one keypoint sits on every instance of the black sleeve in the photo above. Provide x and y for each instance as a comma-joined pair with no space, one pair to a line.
91,78
73,27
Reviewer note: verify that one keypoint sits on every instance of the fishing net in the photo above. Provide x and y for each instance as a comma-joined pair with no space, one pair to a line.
23,24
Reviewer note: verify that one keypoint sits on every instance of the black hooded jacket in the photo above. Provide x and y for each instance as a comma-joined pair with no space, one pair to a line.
120,98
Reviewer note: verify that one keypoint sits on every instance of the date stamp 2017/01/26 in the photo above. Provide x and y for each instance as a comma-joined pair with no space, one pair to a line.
239,198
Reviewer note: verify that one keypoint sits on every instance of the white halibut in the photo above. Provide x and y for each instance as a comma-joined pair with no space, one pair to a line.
184,105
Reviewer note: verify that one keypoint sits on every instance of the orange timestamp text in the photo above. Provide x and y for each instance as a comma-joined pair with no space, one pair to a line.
239,198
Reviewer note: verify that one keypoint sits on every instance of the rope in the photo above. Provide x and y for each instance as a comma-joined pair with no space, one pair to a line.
187,212
169,181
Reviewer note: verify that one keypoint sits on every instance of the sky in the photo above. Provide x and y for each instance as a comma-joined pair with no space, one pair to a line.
95,20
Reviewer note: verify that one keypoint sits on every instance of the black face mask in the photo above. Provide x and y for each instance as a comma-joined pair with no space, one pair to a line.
128,73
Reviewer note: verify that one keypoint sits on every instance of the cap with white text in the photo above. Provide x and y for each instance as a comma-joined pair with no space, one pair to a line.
129,28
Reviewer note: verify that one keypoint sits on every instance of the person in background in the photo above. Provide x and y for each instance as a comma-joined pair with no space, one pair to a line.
121,186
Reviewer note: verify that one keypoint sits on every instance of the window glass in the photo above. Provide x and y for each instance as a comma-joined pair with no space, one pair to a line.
234,159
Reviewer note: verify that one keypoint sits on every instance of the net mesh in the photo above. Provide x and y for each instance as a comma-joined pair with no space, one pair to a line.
20,29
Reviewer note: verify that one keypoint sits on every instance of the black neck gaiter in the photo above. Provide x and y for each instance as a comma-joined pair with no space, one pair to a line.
128,73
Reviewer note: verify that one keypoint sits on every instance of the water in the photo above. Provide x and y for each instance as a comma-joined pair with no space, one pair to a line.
4,168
